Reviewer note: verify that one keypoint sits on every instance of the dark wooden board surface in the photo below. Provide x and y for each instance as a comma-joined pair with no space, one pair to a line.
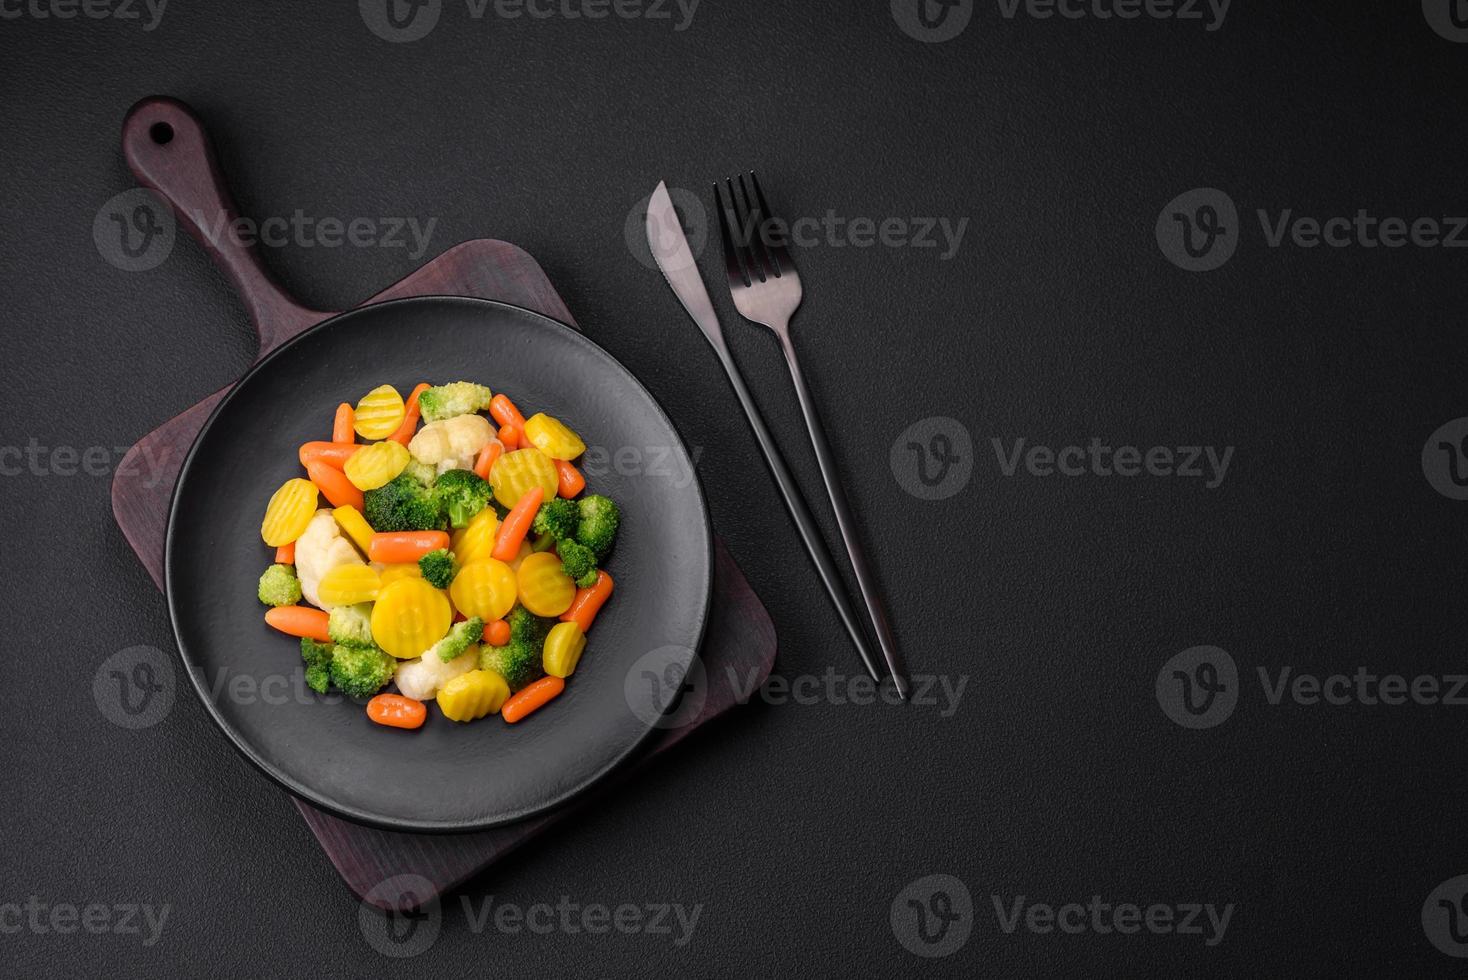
168,150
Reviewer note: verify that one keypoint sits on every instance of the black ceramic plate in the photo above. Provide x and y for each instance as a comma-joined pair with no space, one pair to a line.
444,776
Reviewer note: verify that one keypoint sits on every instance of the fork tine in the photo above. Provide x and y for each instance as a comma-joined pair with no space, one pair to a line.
732,264
740,230
778,252
750,227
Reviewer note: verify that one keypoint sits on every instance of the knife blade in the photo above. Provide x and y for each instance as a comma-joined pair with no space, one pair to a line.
674,258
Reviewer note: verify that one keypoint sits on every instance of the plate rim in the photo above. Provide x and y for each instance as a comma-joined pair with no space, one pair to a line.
303,793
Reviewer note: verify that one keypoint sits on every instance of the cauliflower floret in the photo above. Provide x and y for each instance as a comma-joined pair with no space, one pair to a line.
320,549
460,436
421,678
455,463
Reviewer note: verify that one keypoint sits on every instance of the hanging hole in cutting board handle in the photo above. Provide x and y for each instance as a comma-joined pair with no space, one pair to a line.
169,152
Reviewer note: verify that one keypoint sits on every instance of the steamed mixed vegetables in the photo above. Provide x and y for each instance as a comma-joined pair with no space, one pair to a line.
457,561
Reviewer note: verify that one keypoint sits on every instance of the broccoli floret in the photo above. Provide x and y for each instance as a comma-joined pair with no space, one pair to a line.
420,472
351,624
459,638
557,518
578,562
519,661
360,671
403,504
461,494
279,586
438,567
458,398
318,664
598,526
543,543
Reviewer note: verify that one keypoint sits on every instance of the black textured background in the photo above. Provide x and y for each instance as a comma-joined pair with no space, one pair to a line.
1058,320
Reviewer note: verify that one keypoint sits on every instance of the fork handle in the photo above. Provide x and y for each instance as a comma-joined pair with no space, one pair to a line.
869,594
804,522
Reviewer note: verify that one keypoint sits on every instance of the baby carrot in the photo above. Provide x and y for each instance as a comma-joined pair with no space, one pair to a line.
299,621
396,547
404,434
342,427
588,602
286,554
569,481
531,698
334,485
497,633
503,411
331,453
516,525
397,711
487,456
510,436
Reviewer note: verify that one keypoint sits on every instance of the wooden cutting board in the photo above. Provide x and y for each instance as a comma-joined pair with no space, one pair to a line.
168,150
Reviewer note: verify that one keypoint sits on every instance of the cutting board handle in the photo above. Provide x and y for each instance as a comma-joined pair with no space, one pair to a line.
168,150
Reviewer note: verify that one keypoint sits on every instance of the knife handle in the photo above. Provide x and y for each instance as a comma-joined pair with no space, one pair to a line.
815,545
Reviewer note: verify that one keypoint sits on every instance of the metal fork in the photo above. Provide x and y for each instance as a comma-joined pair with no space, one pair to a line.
766,290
